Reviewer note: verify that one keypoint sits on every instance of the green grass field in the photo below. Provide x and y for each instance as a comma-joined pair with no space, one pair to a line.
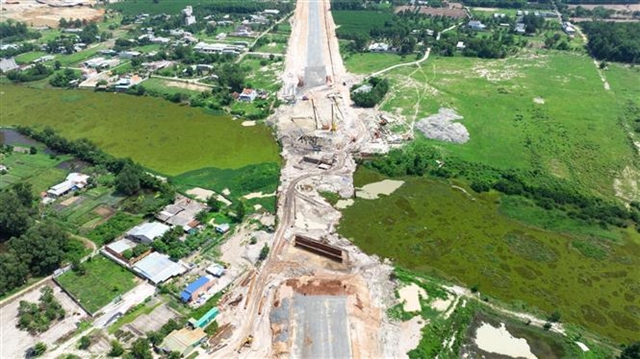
165,137
564,136
39,170
262,77
27,57
103,282
368,62
429,227
352,21
135,7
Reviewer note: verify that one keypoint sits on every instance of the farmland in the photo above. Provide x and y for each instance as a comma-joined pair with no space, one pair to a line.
544,111
432,228
162,136
40,170
103,281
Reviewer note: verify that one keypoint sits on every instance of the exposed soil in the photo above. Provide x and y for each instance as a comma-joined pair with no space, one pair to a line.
37,14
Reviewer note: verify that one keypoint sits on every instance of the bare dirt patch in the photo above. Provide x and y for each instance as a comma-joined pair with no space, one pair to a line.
411,295
187,86
37,14
538,100
104,211
374,190
441,126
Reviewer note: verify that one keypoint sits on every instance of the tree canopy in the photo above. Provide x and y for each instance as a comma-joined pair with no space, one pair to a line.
613,41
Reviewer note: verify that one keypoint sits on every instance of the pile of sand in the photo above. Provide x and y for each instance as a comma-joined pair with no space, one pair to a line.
441,126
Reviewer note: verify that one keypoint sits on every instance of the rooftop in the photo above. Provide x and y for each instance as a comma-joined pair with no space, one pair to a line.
158,267
181,340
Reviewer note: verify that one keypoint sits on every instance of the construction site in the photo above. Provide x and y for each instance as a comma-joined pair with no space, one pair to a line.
316,295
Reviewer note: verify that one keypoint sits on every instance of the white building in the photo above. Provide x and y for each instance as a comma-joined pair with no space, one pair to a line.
379,47
73,182
148,232
187,16
157,268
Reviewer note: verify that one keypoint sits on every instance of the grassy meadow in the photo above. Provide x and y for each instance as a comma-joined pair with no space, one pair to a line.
368,62
40,170
432,228
162,136
547,111
103,282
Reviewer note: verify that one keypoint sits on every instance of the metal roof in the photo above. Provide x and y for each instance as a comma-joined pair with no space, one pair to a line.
188,291
158,267
121,245
208,317
149,230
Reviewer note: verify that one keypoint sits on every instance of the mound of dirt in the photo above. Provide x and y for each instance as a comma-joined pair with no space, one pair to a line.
441,126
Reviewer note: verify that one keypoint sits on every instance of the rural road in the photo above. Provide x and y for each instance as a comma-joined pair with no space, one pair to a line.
417,62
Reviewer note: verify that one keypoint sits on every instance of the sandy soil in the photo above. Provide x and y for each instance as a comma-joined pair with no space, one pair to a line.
441,304
258,195
411,295
500,341
374,190
630,7
14,342
248,123
187,86
203,194
36,14
411,334
344,203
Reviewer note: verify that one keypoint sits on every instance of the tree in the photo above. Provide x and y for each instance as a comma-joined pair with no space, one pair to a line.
547,326
39,349
78,267
264,252
33,150
140,349
42,247
554,317
116,349
85,342
214,204
240,211
632,351
128,180
15,217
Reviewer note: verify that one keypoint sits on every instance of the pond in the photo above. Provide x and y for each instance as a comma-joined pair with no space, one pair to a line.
12,137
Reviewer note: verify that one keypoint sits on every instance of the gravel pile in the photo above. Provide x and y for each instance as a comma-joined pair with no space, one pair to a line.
441,126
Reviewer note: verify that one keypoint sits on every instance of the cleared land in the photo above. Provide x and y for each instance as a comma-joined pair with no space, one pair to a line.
103,281
162,136
432,228
14,342
497,98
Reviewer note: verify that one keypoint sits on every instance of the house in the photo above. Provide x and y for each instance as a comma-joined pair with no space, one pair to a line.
205,319
195,289
117,248
157,268
107,52
221,36
8,64
568,28
248,95
147,232
460,46
476,25
363,89
4,47
243,31
159,40
215,270
3,168
182,213
272,12
379,47
204,67
187,16
73,182
499,15
520,28
183,341
129,54
223,228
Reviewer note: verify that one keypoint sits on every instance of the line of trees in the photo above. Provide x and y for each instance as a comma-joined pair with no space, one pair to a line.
613,41
545,190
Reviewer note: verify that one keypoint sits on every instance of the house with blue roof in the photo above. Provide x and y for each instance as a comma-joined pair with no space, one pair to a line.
196,288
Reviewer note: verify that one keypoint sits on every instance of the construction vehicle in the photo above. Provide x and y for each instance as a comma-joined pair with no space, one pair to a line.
247,343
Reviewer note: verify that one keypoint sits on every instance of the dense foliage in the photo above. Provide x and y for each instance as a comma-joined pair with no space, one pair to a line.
11,31
614,41
35,73
515,4
156,337
64,78
171,244
547,191
37,318
377,89
112,228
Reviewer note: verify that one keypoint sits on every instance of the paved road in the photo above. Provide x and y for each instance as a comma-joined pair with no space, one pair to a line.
321,327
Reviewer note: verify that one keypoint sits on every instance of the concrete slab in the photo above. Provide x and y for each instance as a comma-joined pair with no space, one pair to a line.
320,327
